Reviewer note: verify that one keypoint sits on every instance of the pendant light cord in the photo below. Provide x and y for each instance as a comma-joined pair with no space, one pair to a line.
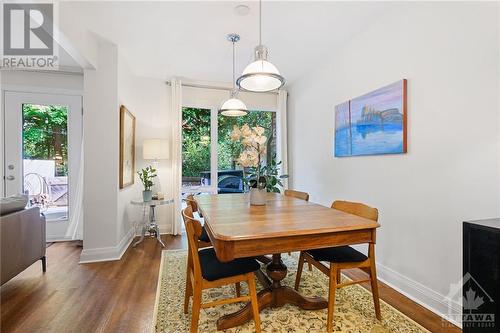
260,22
234,79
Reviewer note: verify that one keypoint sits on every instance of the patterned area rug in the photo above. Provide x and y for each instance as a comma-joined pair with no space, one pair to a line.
354,311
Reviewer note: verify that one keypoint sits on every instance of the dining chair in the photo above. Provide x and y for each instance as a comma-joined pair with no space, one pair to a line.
344,257
203,242
302,196
297,194
190,201
206,272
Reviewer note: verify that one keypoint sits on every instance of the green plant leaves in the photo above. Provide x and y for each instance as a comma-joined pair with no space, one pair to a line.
146,176
268,175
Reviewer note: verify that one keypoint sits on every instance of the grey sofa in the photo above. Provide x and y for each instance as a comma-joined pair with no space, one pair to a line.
22,242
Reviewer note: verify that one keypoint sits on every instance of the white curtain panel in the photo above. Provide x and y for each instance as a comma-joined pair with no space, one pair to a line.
75,227
282,154
176,109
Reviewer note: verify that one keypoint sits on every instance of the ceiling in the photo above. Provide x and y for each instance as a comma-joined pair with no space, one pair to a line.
188,39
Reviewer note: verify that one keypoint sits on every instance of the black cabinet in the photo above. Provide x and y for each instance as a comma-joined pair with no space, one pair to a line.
481,269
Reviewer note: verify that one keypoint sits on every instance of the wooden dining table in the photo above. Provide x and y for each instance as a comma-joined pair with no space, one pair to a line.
285,224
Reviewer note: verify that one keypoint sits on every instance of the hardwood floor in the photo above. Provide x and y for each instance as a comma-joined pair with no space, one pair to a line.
115,296
421,315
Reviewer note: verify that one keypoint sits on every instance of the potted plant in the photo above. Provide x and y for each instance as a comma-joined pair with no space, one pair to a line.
146,176
260,178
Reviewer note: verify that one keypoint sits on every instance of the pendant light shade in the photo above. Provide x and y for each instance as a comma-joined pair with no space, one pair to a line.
233,107
260,75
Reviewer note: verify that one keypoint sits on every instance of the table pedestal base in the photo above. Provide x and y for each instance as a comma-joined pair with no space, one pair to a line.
274,295
151,227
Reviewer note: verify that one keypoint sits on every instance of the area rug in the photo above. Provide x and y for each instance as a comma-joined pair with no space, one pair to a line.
354,311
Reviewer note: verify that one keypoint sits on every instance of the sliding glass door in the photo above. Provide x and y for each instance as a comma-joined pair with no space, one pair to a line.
209,157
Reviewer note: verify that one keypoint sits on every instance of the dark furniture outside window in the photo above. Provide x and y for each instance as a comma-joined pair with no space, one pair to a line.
228,181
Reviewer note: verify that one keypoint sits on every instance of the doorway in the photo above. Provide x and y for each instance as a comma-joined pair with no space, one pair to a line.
43,143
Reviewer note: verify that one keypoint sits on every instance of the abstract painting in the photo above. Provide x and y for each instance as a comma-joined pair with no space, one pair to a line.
127,147
372,124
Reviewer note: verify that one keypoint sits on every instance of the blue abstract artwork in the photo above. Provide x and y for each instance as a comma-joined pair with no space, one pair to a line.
372,124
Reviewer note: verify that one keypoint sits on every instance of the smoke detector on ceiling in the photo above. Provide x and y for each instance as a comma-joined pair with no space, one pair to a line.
242,10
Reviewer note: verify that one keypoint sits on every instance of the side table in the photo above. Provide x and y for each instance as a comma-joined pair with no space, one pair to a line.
151,226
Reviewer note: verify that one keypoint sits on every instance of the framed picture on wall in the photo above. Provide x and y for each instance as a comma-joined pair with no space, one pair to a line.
373,124
127,147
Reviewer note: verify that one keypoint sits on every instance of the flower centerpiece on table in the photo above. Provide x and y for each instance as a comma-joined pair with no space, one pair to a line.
260,178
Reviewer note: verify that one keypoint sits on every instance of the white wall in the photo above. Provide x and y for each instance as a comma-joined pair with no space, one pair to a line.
148,99
77,41
109,216
449,54
101,150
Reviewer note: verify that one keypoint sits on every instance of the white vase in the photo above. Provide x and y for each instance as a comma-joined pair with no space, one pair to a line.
258,197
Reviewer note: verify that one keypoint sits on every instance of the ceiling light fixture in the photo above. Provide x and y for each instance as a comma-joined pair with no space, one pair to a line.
260,75
233,107
242,10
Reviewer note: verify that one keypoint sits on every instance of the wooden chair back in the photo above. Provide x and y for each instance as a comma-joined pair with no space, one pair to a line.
297,194
193,230
191,202
356,208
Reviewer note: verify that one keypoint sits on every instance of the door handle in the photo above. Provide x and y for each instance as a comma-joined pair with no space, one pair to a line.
11,177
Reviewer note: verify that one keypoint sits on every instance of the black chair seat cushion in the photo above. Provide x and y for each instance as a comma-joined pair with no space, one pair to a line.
337,254
212,269
204,236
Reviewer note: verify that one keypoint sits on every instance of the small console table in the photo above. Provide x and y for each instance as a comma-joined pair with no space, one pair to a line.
151,226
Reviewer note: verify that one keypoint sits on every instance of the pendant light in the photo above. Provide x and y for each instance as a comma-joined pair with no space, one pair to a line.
233,107
260,75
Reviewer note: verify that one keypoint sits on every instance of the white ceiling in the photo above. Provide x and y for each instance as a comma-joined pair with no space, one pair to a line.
188,39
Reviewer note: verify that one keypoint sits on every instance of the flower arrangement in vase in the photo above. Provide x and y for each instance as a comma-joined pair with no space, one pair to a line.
260,178
146,176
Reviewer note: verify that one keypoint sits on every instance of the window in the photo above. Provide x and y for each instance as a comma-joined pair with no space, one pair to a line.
202,161
45,158
230,175
196,147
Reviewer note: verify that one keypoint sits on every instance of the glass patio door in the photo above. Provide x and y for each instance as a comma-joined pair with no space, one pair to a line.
43,142
209,155
199,150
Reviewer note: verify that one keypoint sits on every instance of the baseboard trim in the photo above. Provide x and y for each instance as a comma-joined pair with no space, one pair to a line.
431,300
55,239
107,253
